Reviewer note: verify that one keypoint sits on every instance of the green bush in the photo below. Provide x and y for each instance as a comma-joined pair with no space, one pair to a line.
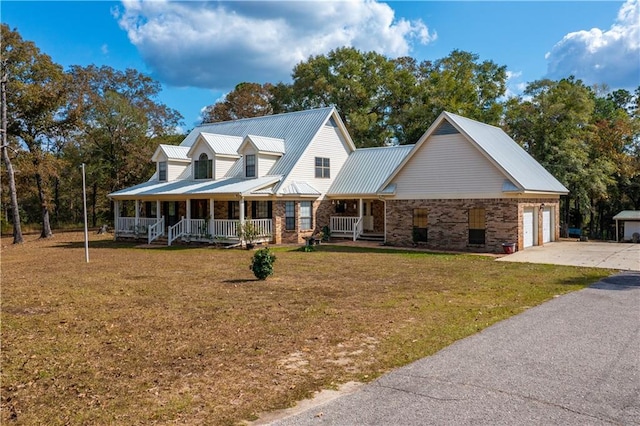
262,263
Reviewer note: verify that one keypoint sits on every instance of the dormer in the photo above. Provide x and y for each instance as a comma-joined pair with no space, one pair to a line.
213,155
259,154
171,161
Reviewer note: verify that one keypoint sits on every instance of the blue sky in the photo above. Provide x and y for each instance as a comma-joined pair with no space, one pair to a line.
199,51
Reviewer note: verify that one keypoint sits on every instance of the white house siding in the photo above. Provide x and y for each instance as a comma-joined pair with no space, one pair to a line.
328,143
175,169
221,166
449,167
265,163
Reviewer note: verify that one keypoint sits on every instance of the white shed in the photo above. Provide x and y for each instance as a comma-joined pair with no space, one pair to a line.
630,221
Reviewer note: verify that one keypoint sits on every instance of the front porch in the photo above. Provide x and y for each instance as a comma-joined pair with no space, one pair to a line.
357,219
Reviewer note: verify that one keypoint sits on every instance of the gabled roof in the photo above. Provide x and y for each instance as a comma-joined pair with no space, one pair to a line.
264,144
172,152
300,188
631,215
296,129
523,171
220,144
366,170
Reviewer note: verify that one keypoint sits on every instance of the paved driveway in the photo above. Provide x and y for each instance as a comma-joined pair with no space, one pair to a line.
623,256
571,361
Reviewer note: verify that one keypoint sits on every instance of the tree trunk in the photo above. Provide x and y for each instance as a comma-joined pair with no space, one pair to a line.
15,211
46,226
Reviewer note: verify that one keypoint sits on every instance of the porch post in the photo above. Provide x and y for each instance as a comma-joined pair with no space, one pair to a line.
241,210
137,212
617,230
116,216
158,210
211,216
188,216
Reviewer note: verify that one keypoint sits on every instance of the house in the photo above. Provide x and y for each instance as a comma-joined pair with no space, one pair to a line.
630,222
463,186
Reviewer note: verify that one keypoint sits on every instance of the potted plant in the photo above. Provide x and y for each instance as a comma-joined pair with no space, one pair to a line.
248,232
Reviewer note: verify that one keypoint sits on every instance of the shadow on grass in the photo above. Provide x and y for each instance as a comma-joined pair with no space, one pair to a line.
330,248
241,281
110,244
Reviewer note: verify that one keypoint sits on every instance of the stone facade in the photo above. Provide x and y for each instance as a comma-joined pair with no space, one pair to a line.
448,222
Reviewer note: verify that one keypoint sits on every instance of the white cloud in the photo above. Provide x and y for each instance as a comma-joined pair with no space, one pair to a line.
217,45
104,49
600,56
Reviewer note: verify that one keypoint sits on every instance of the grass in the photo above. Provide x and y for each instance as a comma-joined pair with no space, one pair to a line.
189,336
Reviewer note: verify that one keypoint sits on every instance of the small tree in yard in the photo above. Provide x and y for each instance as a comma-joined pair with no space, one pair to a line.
262,263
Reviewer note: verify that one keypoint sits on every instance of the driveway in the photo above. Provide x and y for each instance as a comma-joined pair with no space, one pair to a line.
572,361
623,256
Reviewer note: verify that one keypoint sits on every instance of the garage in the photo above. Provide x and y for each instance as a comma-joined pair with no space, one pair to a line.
528,227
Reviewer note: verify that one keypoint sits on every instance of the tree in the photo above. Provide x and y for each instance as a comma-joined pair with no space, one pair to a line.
121,125
247,100
36,93
15,210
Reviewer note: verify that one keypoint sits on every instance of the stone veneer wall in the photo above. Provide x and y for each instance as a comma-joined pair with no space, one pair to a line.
448,223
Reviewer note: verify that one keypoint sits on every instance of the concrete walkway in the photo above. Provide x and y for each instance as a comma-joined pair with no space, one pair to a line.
572,361
623,256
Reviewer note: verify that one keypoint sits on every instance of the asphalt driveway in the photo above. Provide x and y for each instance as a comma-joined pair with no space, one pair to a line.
622,256
572,361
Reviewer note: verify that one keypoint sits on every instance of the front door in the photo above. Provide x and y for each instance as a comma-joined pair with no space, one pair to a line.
367,215
170,212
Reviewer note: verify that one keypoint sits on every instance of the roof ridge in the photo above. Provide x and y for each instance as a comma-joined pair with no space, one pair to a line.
267,116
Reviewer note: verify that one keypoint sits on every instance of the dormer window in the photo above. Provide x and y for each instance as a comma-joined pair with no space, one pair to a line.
202,167
250,165
162,171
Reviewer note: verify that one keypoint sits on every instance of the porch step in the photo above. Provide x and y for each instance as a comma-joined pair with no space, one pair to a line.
369,236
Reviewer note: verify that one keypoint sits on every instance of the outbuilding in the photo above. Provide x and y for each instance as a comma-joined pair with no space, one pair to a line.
630,222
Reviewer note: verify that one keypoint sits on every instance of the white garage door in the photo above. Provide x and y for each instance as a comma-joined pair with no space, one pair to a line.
546,226
527,226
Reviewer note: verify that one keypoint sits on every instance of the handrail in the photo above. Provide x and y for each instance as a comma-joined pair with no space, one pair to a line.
156,230
176,231
357,229
343,224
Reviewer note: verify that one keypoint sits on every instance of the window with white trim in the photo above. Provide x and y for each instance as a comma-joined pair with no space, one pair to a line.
322,168
162,171
202,167
305,215
290,215
250,165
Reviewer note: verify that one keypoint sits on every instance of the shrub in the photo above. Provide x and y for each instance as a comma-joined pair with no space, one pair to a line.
262,263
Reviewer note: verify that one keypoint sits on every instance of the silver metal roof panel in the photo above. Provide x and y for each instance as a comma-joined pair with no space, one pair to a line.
222,144
366,169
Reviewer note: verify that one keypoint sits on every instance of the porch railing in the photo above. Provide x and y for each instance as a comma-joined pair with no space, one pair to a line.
176,231
156,230
357,229
226,229
347,225
131,225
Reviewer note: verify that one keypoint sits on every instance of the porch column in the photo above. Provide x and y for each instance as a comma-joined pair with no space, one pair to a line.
360,207
241,210
137,222
158,210
188,227
617,230
211,217
116,216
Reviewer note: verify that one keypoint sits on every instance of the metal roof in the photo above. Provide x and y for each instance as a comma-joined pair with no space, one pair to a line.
173,152
264,144
222,144
227,186
297,129
367,169
299,188
507,154
632,215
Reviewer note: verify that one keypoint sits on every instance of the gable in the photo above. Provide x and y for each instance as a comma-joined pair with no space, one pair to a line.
448,166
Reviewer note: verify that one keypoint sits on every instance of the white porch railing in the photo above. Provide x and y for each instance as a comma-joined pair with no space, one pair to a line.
156,230
263,227
133,226
225,228
357,229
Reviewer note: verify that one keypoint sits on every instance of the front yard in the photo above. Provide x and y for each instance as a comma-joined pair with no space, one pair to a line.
189,336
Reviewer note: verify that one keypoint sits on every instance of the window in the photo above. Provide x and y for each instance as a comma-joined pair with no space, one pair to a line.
162,171
322,168
202,167
477,225
250,165
305,215
420,225
290,215
261,209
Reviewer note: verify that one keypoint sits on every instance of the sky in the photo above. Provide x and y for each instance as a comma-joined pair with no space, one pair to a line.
199,51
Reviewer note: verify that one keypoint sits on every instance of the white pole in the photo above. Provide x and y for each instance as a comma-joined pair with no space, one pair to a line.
86,231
